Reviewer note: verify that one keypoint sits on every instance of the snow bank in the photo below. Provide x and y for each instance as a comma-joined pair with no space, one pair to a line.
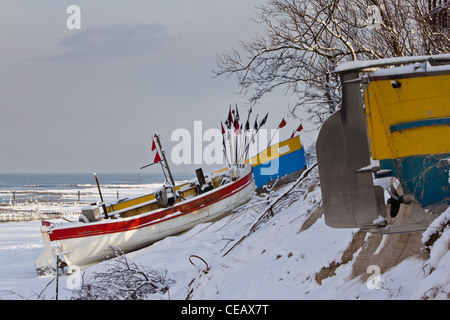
292,254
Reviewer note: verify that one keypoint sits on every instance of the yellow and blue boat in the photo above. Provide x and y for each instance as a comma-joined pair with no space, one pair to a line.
280,163
408,119
401,128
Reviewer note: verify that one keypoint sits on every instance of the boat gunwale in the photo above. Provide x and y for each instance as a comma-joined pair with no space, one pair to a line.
360,65
409,75
153,217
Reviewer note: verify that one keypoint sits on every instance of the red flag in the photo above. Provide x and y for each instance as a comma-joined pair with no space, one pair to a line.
236,128
157,158
282,124
300,128
230,119
223,130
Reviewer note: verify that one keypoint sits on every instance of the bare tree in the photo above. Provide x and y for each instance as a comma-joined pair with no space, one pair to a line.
432,17
306,39
124,280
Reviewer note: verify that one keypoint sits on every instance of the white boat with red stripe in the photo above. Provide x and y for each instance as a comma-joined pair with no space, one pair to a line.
139,222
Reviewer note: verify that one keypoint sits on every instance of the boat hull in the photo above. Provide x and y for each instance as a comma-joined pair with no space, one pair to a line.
408,118
85,244
282,162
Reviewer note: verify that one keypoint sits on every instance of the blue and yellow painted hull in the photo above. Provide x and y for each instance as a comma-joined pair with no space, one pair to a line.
408,118
283,161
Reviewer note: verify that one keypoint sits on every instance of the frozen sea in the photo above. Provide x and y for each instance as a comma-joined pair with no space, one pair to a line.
65,186
28,196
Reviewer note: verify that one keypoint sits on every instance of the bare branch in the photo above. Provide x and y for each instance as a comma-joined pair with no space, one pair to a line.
305,40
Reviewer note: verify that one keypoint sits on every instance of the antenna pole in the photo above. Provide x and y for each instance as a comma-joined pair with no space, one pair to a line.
101,197
164,159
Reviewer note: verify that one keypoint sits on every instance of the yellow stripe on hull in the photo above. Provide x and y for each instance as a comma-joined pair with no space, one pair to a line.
135,201
416,99
276,151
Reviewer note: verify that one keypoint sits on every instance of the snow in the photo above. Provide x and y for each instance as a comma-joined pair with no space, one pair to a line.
365,64
410,69
280,260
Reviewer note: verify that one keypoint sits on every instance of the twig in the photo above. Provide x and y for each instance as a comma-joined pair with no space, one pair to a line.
268,211
45,288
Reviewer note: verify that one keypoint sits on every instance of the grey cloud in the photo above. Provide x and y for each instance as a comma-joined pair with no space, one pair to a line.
116,40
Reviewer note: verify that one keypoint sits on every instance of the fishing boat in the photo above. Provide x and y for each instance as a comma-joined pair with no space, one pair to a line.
279,164
408,117
136,223
403,132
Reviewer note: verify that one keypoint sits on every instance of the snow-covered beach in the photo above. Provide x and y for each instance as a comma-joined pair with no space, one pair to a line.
289,255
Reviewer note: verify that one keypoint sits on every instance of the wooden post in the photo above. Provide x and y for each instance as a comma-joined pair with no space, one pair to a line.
200,177
57,276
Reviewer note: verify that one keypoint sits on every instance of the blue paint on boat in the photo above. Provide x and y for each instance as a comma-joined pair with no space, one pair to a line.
426,177
279,167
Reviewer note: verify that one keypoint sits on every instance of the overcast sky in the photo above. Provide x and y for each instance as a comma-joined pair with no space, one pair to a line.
89,100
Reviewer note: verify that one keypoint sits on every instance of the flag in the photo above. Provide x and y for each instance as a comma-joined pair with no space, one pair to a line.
236,127
157,158
263,121
282,124
255,129
223,134
255,126
300,128
230,119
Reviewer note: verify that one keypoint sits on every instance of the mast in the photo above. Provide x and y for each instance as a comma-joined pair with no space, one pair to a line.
163,153
101,196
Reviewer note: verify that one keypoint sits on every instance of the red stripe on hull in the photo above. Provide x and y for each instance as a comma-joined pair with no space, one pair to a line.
112,226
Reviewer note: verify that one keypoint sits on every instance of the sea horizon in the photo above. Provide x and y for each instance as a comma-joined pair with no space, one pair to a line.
16,188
